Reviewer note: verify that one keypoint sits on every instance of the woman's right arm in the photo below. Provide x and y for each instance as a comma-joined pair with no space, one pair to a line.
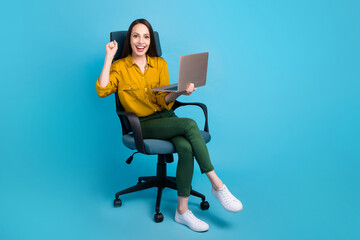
111,49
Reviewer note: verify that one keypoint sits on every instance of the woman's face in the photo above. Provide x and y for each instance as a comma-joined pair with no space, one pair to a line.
139,40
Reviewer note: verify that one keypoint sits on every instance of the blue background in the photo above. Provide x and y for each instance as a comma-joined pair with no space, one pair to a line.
283,98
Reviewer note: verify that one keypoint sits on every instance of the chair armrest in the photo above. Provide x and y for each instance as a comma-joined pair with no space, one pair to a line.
203,107
134,123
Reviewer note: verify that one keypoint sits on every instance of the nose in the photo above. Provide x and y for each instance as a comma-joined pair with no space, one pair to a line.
141,40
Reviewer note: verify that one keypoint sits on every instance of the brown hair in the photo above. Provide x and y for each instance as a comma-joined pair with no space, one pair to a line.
152,51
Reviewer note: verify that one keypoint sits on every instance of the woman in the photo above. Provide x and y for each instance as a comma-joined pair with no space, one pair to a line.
132,76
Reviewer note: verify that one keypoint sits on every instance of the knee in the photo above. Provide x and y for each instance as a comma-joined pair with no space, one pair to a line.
190,124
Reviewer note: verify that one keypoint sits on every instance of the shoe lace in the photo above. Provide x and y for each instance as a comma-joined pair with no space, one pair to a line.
227,196
193,218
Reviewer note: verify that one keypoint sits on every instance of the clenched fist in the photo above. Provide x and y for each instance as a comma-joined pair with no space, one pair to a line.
111,49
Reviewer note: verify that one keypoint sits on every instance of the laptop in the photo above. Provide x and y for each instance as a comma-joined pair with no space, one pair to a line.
192,69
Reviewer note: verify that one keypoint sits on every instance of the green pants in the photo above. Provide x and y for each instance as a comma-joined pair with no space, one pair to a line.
185,135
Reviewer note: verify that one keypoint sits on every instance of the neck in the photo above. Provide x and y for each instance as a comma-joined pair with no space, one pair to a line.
139,59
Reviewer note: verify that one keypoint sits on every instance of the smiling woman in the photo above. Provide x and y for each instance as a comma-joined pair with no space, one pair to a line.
132,77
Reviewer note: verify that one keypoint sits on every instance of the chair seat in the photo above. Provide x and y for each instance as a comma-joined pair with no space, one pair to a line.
156,146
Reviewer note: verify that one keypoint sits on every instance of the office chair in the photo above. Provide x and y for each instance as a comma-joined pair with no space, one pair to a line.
132,138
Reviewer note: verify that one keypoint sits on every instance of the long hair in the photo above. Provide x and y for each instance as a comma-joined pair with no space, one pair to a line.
152,51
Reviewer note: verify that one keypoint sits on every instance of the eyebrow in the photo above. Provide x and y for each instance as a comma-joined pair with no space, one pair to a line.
140,34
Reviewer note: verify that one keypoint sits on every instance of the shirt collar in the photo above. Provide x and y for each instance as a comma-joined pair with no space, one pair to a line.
130,62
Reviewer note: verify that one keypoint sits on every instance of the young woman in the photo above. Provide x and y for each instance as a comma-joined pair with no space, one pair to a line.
132,76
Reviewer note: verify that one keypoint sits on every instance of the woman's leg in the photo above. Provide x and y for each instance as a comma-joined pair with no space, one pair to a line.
185,166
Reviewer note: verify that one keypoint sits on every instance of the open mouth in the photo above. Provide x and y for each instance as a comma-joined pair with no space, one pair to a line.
140,48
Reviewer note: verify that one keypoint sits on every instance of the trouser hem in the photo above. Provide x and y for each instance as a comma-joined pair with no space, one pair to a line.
183,195
207,170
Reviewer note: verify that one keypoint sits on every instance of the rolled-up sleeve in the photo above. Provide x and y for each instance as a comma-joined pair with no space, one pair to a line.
112,86
164,80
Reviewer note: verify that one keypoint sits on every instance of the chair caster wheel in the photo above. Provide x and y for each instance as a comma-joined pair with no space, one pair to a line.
204,205
117,203
158,217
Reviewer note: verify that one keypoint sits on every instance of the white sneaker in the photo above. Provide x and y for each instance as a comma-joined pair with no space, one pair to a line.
188,219
226,199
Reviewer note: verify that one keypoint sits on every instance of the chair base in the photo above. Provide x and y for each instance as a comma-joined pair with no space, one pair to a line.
160,181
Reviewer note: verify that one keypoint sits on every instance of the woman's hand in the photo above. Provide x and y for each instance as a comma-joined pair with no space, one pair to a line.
189,89
174,95
111,49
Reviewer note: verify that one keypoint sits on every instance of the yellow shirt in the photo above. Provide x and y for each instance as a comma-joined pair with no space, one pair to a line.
133,86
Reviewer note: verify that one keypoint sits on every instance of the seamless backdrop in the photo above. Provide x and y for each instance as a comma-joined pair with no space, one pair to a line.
283,98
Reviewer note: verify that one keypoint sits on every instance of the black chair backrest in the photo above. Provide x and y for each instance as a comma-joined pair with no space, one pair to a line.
120,37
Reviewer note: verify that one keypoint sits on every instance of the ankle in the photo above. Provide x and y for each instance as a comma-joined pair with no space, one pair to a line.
217,187
182,210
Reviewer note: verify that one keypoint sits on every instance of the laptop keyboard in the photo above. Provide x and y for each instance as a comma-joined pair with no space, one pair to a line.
172,88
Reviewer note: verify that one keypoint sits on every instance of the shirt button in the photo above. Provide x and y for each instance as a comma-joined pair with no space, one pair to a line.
129,87
155,110
145,88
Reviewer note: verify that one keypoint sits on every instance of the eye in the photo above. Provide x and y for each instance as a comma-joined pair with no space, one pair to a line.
147,37
135,36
